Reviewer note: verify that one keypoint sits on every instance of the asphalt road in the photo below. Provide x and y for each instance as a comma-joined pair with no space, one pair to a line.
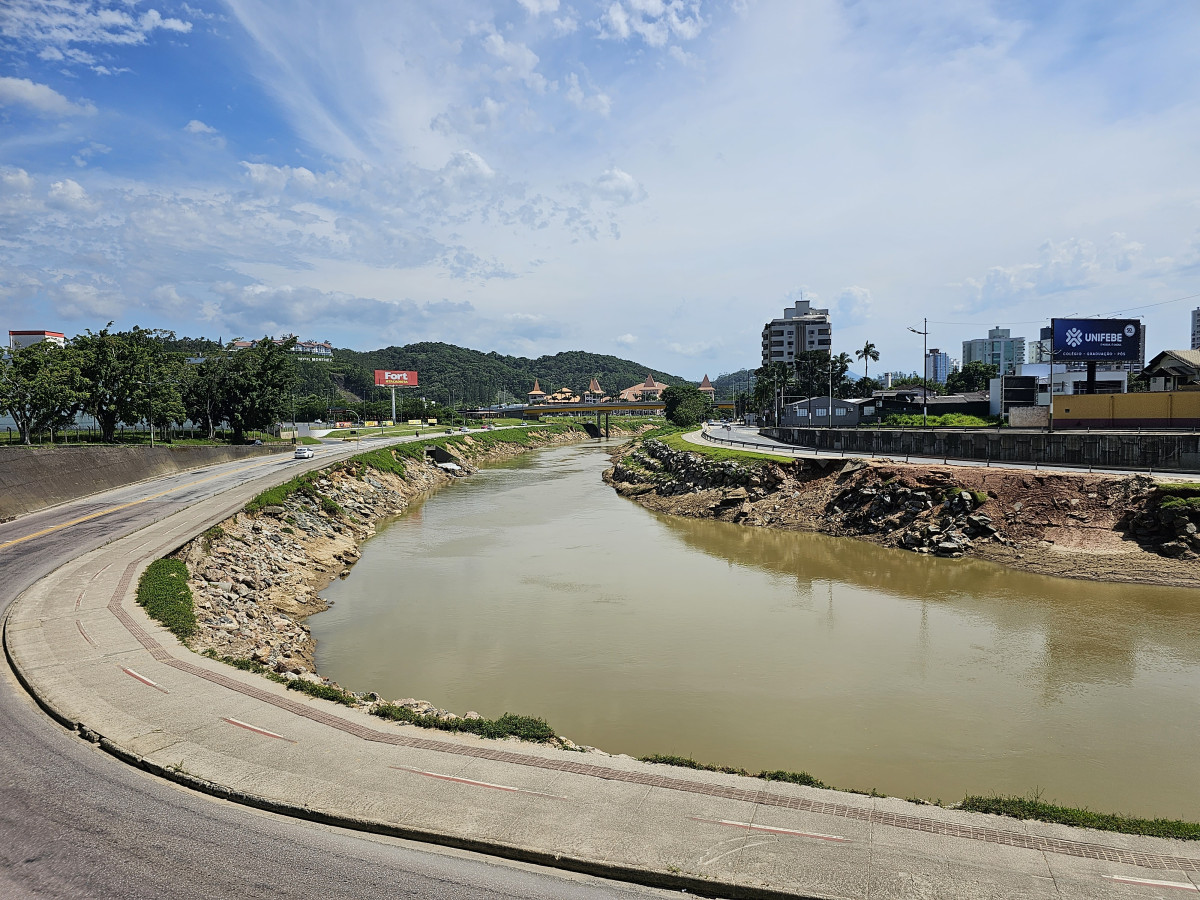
75,822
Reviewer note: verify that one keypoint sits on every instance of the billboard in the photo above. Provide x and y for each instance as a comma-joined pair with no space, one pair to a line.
388,378
1097,339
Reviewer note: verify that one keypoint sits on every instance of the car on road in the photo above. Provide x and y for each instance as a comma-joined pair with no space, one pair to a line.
464,429
304,453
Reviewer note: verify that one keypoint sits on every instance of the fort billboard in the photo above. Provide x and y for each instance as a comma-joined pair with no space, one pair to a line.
1097,339
391,378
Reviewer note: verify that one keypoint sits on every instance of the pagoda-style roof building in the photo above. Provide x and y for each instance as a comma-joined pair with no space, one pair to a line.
647,390
537,395
563,395
707,388
595,393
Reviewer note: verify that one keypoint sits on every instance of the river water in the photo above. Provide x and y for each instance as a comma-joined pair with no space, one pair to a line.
533,588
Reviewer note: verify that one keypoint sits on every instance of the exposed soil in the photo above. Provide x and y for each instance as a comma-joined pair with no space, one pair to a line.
1063,524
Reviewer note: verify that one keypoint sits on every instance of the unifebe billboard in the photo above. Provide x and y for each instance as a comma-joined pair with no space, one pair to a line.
389,378
1097,339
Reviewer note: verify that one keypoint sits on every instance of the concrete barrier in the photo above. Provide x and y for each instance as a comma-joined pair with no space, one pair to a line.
33,478
1158,451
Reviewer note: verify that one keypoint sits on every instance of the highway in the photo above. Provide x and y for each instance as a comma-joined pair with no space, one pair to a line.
75,822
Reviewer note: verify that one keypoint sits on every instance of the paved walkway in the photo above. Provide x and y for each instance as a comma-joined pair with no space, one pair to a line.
93,658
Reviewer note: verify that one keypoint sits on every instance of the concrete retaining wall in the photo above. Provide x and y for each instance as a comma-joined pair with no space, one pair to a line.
33,478
1112,450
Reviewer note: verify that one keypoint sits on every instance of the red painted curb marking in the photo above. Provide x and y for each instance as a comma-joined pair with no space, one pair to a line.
78,599
771,830
87,637
486,784
142,678
1150,882
101,572
256,730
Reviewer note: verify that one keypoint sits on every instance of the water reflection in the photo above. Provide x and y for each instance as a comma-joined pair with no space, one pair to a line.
534,588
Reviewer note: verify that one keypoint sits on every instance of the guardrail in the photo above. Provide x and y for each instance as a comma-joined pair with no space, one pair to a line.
1035,465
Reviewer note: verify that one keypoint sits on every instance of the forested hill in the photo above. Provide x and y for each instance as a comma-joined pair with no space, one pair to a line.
476,377
730,384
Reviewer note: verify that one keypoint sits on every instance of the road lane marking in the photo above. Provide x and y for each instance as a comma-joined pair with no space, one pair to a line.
486,784
112,509
1150,882
87,637
837,838
142,678
255,729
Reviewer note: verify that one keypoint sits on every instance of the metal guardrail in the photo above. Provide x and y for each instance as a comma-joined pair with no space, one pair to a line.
946,459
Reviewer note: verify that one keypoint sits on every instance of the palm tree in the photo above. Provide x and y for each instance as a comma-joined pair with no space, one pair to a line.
867,354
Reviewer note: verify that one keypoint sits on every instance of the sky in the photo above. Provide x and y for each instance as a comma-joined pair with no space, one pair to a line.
650,178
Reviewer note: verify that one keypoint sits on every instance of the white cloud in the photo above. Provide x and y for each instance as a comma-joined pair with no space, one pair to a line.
537,7
41,98
851,305
597,102
520,61
16,181
654,21
69,195
52,26
626,339
195,126
618,187
564,25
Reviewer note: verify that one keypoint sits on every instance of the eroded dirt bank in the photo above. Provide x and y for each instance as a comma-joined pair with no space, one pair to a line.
1097,527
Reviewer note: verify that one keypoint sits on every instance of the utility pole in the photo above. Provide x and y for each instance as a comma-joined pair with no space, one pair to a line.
829,418
924,370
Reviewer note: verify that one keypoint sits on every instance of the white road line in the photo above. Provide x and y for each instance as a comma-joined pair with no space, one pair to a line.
771,830
132,674
486,784
1150,882
240,724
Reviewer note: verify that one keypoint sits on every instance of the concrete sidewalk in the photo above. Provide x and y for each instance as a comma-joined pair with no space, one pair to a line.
92,658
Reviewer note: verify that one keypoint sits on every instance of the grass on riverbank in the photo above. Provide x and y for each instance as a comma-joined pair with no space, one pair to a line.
676,441
527,728
163,591
1036,808
686,762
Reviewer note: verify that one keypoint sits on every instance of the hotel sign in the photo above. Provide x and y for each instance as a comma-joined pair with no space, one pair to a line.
1097,339
388,378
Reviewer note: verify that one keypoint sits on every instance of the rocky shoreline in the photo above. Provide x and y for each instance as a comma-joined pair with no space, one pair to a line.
256,577
1087,526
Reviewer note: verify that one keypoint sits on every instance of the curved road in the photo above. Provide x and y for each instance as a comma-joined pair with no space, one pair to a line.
75,822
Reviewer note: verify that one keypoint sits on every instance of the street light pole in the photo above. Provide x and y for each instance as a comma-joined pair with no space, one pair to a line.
924,371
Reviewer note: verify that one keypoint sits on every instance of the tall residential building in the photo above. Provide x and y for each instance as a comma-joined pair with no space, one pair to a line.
1196,329
1039,350
801,328
937,365
999,349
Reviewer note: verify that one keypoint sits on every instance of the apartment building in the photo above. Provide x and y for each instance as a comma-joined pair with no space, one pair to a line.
999,349
801,328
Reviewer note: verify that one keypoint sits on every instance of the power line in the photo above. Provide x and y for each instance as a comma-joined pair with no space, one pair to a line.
993,322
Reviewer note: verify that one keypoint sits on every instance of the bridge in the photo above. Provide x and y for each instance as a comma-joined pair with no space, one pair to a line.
534,412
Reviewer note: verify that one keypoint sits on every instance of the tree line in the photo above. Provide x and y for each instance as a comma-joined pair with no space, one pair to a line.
129,377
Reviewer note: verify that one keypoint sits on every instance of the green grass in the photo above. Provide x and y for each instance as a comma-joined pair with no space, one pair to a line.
163,590
209,537
310,441
1180,494
246,665
527,728
1035,808
322,691
714,451
948,420
686,762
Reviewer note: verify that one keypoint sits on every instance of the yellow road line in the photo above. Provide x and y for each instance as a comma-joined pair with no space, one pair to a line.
113,509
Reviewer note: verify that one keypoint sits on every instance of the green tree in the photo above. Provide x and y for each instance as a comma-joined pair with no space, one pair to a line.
974,376
685,405
867,354
842,385
203,390
769,379
865,387
256,385
118,368
40,387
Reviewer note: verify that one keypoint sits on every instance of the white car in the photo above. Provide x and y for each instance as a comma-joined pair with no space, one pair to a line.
304,453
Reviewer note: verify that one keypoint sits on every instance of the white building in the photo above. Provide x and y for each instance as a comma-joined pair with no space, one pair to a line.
937,365
1067,381
18,339
802,328
999,349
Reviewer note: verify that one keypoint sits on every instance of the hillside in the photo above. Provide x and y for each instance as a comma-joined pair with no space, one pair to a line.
446,370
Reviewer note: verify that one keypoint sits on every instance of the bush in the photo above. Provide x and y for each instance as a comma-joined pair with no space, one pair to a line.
1035,808
323,691
527,728
211,536
163,591
948,420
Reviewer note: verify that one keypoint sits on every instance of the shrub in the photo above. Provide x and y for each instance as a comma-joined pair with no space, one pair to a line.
1035,808
211,536
323,691
163,591
527,728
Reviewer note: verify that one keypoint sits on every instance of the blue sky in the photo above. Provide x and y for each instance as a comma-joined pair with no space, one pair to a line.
653,178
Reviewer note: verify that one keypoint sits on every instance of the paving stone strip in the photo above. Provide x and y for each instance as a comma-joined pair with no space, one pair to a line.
751,795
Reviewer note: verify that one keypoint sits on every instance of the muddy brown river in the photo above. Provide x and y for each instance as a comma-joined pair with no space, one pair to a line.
533,588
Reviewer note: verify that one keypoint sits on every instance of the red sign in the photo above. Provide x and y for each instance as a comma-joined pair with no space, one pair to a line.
387,378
